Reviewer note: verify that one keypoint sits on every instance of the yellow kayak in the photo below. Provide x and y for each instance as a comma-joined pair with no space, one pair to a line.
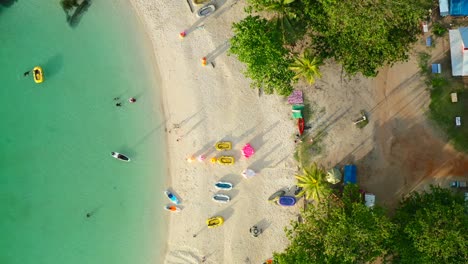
223,145
214,221
38,74
226,160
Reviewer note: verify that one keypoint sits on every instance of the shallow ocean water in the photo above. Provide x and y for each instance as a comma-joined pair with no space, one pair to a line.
56,137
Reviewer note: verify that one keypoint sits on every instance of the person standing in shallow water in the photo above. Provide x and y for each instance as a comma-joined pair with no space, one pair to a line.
26,73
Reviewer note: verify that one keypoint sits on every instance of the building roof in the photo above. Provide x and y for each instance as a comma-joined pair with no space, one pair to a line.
459,41
459,7
444,7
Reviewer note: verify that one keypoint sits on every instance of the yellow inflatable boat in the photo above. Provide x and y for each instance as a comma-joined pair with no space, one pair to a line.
226,160
223,145
215,221
38,74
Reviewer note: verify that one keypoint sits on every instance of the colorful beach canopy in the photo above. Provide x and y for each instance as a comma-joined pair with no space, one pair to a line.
248,150
296,97
248,173
333,176
297,111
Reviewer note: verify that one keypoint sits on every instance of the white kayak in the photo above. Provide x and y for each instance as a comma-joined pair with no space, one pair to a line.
221,198
206,11
172,208
120,156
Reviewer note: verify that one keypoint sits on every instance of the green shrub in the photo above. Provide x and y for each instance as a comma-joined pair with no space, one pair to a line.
439,29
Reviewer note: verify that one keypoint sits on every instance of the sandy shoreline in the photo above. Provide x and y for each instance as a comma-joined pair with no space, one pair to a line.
215,103
209,104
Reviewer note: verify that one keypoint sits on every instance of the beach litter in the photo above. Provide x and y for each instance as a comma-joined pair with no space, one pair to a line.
201,158
190,159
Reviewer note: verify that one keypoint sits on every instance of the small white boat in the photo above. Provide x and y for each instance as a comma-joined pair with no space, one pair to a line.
224,186
206,11
172,208
221,198
119,156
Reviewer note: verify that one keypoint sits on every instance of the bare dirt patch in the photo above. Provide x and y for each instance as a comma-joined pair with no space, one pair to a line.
400,150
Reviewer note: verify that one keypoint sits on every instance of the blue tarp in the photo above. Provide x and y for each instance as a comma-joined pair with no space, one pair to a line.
350,174
429,41
436,68
459,7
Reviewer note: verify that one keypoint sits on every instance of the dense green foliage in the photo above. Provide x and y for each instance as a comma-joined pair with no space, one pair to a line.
439,29
287,15
258,44
432,228
337,232
313,182
443,111
365,35
428,227
361,35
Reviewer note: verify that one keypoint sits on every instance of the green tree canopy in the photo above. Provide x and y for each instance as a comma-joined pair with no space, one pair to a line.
258,44
337,232
367,34
286,15
432,228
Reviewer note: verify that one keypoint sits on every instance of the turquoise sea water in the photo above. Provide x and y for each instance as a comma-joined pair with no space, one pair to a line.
56,137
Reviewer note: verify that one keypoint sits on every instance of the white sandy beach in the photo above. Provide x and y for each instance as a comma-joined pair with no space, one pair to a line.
211,104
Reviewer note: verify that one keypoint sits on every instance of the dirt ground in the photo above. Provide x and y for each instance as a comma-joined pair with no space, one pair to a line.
400,150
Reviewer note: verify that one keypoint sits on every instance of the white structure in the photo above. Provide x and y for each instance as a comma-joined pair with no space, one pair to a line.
369,200
459,51
444,7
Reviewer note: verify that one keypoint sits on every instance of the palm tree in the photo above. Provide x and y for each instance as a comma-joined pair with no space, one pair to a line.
306,66
313,182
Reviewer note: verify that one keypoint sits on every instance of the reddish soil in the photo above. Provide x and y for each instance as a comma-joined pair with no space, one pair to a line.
400,150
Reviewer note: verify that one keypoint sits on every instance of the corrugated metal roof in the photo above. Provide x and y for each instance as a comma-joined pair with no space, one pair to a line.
444,7
459,7
459,58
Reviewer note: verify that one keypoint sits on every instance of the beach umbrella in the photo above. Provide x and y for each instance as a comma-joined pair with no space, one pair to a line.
248,173
333,176
248,150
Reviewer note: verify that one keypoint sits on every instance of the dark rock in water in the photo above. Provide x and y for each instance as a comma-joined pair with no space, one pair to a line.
7,3
74,10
